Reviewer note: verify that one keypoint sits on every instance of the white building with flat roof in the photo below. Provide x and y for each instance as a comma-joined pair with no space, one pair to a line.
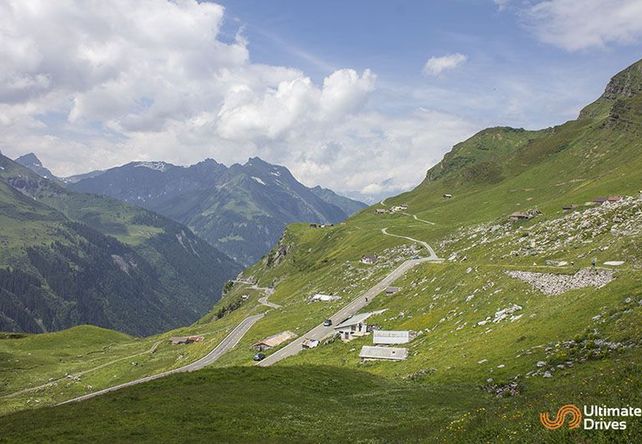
389,337
369,352
324,297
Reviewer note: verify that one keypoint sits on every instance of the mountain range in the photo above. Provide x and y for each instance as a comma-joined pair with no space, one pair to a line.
68,258
241,210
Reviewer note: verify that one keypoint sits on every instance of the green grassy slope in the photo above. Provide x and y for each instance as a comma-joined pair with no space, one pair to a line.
581,346
45,369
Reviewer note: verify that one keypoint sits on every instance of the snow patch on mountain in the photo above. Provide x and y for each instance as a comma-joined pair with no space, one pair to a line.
158,166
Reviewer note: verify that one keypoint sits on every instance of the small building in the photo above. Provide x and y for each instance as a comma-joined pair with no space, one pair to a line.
314,225
600,200
388,337
392,290
179,340
614,198
310,343
519,215
176,340
381,211
369,352
448,196
368,260
353,327
324,297
274,340
568,208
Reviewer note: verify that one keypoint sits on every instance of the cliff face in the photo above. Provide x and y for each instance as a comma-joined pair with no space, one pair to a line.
623,88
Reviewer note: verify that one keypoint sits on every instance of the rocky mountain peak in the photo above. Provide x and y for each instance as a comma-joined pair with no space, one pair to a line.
28,160
626,83
32,162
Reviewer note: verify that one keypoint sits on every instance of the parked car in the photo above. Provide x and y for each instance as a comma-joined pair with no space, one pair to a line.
310,343
327,322
259,357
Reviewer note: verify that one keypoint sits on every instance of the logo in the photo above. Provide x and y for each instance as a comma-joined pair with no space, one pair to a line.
570,410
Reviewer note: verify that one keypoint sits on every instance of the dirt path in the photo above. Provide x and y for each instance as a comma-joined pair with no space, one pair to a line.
225,345
81,373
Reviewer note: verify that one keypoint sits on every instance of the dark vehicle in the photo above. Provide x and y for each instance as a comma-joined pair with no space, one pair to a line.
327,322
259,357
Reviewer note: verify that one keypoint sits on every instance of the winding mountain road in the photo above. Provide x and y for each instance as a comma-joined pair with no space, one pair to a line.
321,332
414,216
225,345
264,300
433,256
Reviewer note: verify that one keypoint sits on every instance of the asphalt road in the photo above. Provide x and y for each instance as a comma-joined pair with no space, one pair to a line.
264,301
320,332
225,345
420,220
433,256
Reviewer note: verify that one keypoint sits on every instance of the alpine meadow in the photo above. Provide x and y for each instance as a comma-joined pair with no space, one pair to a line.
489,290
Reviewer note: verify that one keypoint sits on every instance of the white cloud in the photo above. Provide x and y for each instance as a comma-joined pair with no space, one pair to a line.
575,25
92,84
502,4
437,65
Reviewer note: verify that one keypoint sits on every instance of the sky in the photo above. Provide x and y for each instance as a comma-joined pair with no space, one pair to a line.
360,96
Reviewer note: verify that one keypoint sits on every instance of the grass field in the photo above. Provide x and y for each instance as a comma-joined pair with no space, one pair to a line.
320,403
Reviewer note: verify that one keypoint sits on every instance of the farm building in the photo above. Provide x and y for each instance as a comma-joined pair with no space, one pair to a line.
392,290
369,260
353,327
518,215
529,214
321,225
324,297
381,211
448,196
274,340
398,208
369,352
388,337
177,340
